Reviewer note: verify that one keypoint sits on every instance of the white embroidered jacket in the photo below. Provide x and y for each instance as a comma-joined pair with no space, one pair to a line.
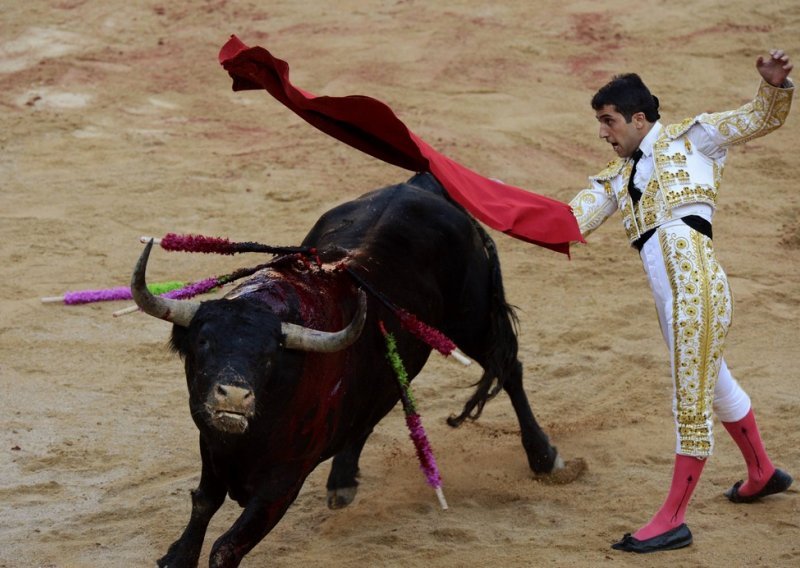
682,174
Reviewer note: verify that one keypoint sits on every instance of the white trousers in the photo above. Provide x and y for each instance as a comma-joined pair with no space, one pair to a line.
694,308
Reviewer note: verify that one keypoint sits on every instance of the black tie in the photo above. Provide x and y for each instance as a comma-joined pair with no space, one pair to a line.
632,191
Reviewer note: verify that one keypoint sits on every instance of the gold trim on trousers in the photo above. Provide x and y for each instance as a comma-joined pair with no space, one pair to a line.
694,306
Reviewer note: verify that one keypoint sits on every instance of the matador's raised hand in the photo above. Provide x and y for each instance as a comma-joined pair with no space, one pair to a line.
775,68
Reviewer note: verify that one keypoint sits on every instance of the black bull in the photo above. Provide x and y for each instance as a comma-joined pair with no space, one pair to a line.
273,397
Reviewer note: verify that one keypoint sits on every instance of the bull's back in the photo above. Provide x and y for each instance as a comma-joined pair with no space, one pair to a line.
412,220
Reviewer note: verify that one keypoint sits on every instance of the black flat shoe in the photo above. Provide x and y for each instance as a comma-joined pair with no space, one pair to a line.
778,483
678,537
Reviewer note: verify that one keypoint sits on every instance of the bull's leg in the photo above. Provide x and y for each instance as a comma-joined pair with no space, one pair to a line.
542,456
258,518
342,483
206,500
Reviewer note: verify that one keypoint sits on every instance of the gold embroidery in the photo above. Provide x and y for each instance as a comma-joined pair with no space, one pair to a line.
679,128
717,175
667,179
662,142
590,211
700,321
692,194
612,169
677,158
760,116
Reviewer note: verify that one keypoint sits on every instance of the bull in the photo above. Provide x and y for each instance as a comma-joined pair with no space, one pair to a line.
289,369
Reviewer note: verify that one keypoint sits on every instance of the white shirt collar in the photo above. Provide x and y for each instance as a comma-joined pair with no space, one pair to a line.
646,145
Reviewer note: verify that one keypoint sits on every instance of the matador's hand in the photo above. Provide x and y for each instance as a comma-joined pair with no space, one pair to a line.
775,68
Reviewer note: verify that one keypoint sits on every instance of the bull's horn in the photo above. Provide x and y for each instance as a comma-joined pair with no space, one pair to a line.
305,339
179,312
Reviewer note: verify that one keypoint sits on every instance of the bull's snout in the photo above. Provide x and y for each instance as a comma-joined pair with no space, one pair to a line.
231,407
234,397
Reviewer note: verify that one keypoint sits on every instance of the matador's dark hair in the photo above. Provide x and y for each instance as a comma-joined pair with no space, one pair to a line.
629,95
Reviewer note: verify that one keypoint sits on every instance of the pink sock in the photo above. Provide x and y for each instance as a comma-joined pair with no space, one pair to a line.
673,512
759,467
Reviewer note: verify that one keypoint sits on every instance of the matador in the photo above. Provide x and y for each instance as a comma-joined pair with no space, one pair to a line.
665,183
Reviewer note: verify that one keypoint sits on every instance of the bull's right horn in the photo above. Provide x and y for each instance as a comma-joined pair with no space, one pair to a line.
179,312
306,339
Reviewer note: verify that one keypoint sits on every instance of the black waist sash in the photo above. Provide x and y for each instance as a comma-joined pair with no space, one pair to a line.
694,221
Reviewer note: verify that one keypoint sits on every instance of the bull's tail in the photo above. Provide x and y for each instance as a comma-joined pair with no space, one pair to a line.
501,359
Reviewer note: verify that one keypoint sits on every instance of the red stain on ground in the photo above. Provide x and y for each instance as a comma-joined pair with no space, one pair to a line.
595,30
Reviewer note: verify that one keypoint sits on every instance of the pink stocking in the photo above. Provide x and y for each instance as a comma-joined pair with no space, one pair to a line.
673,512
759,467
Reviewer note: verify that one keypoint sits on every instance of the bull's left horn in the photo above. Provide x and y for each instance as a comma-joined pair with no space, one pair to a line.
305,339
179,312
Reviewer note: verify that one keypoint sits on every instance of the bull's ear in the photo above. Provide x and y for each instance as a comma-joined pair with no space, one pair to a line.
305,339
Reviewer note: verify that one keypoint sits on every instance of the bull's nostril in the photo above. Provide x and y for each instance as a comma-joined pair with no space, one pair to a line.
222,391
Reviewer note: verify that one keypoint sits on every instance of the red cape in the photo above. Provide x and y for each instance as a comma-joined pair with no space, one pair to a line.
372,127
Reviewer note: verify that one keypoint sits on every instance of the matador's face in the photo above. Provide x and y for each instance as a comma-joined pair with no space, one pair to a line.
624,136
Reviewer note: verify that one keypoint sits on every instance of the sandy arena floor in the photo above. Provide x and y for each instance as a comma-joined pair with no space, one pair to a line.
117,121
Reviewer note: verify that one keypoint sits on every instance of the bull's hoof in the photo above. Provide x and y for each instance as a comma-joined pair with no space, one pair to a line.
341,497
563,472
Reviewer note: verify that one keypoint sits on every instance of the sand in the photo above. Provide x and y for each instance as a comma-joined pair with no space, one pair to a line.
117,121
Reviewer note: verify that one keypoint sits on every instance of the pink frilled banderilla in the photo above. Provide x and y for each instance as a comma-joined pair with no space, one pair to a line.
219,245
430,335
427,462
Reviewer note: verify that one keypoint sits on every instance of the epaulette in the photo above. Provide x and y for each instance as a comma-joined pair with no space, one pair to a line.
612,169
672,131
